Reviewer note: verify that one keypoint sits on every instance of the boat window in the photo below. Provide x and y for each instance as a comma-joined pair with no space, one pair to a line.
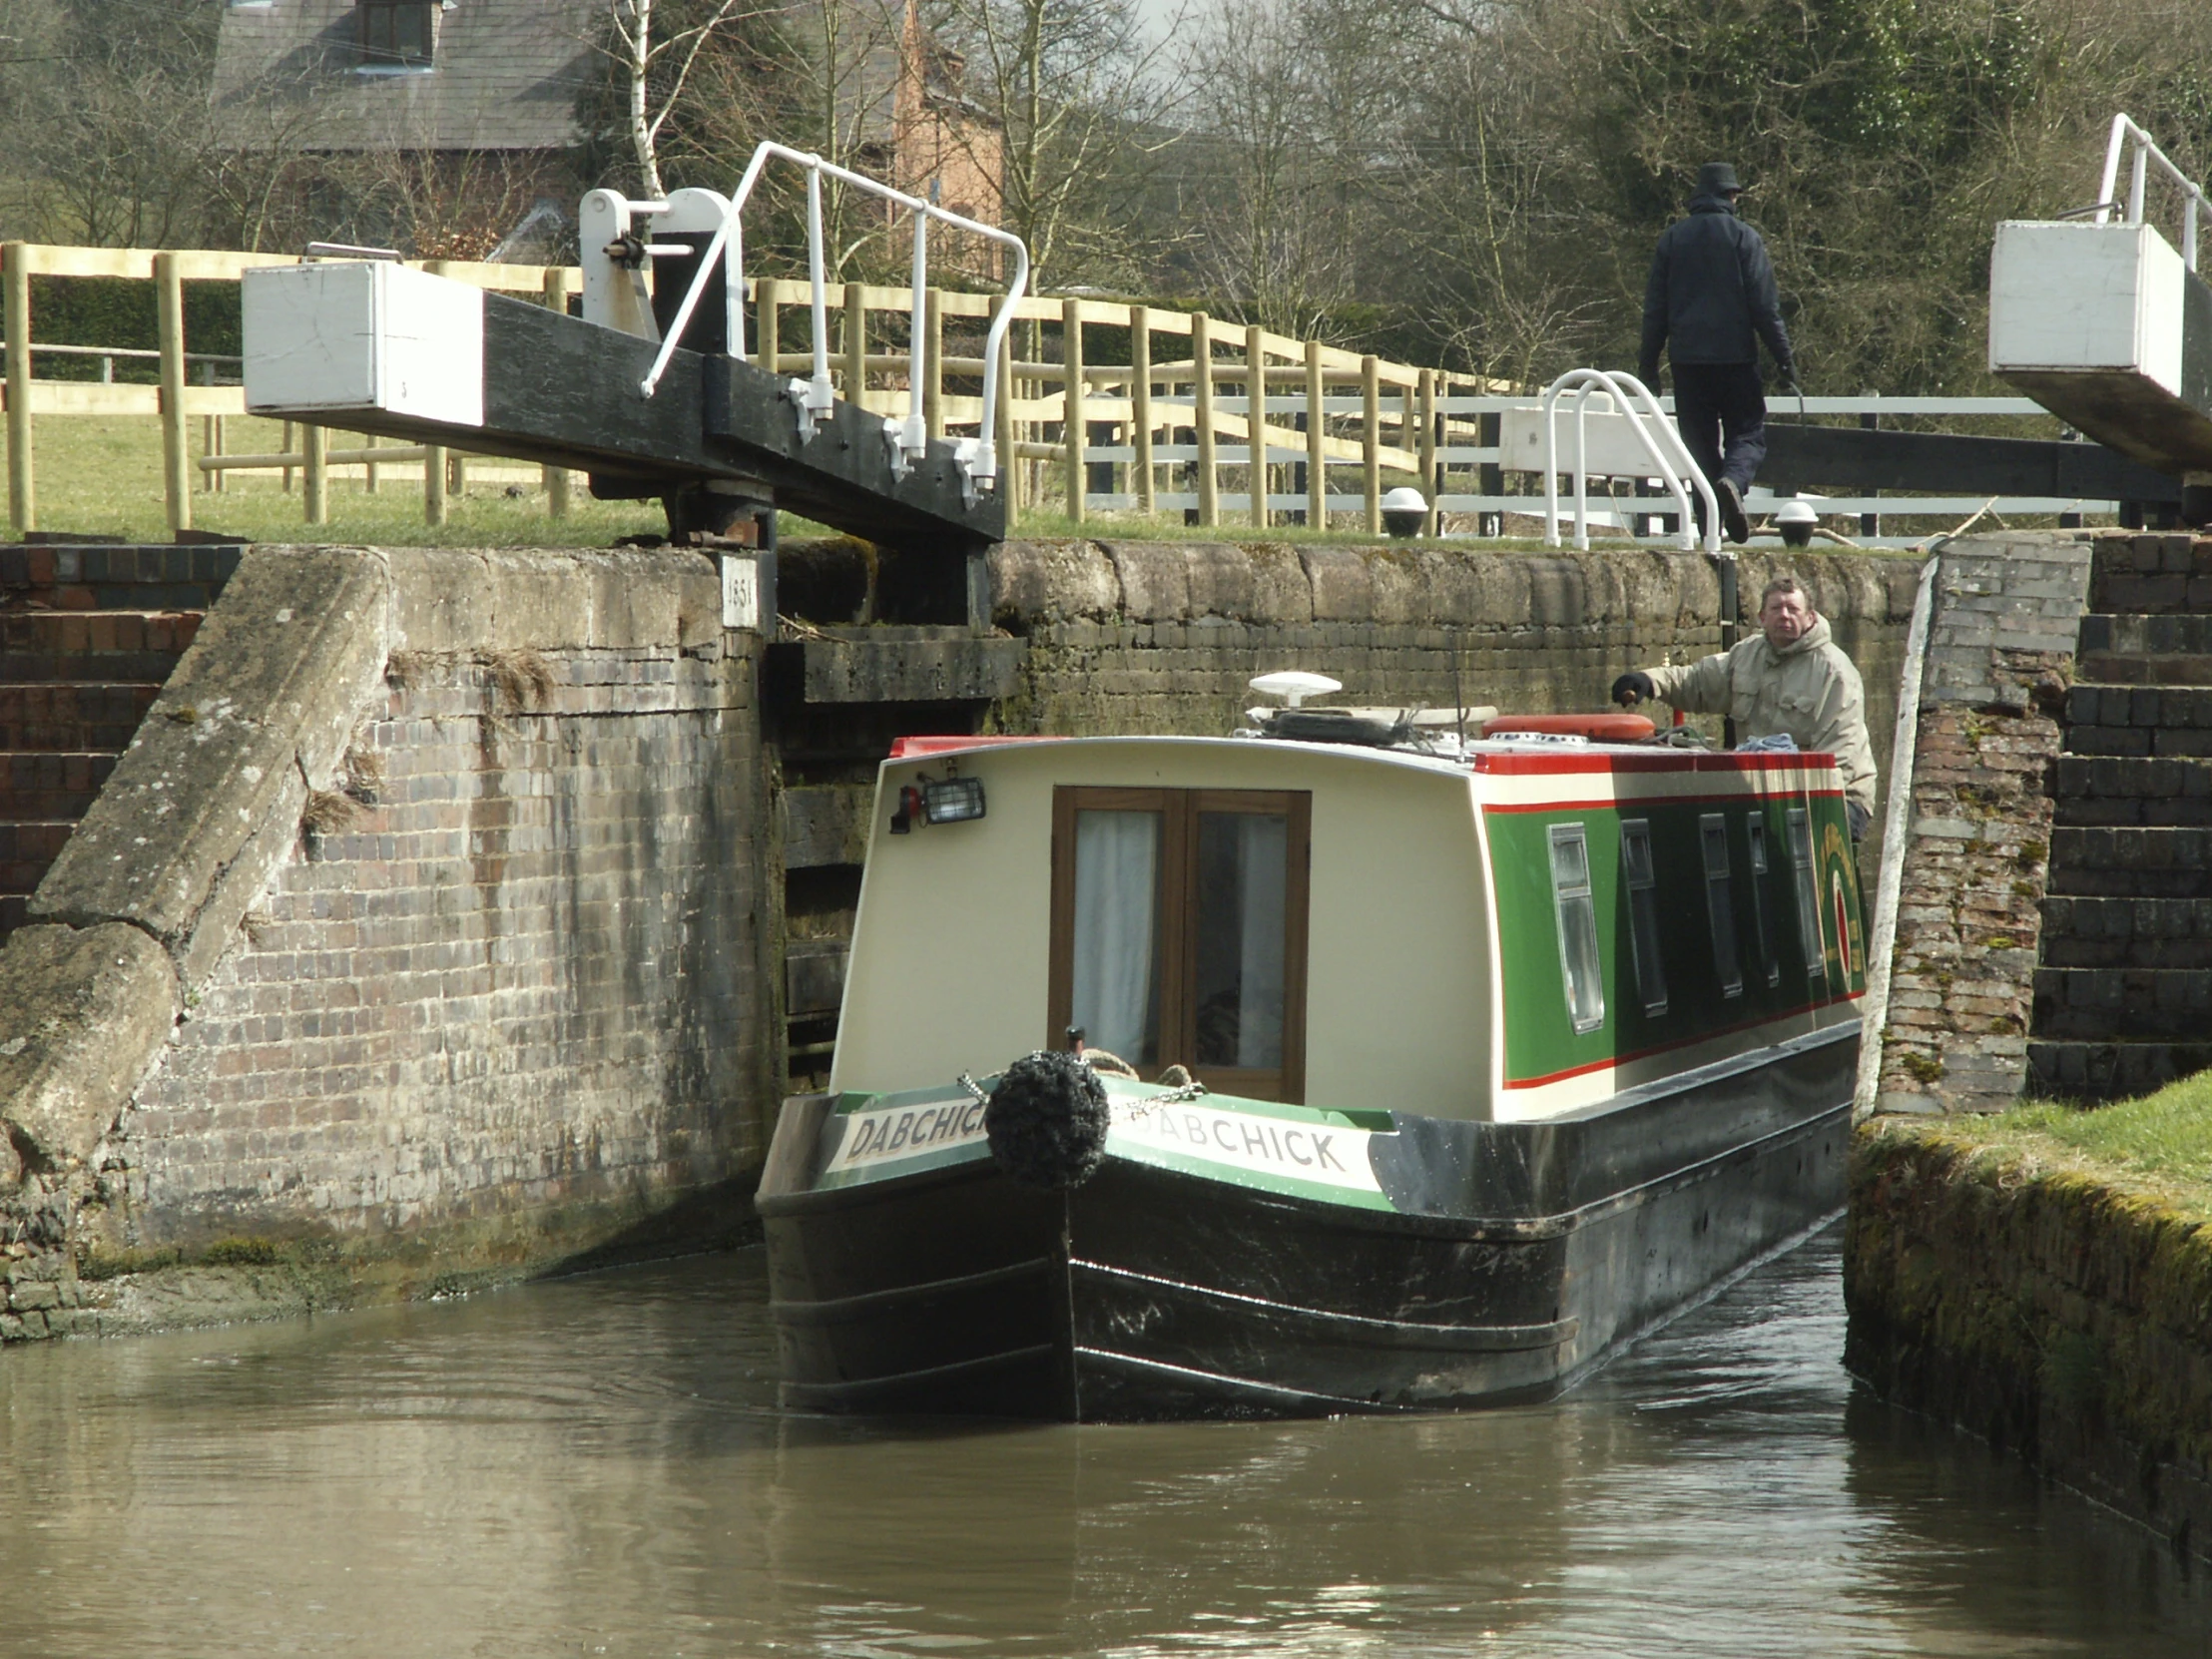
1762,913
1578,954
1116,957
1239,939
1808,890
1179,932
1718,910
1643,913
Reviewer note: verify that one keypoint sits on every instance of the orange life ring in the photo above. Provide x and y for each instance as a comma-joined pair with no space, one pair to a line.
1607,727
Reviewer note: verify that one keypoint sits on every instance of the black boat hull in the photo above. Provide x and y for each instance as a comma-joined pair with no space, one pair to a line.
1519,1257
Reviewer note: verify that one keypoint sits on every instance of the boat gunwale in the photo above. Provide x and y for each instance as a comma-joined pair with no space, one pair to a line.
1463,1229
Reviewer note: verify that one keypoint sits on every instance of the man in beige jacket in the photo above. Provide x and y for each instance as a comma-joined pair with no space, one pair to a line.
1790,677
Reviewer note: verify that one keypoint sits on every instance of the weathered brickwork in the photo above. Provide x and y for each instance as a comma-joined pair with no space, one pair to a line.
418,941
518,967
1963,981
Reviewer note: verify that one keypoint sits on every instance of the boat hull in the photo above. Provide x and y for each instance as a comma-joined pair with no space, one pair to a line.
1499,1263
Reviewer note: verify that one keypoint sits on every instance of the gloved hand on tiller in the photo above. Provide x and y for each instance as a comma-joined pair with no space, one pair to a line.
1633,687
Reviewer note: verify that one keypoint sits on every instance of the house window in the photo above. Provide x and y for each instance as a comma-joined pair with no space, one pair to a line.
398,34
1643,913
1762,913
1720,910
1179,932
1808,890
1577,915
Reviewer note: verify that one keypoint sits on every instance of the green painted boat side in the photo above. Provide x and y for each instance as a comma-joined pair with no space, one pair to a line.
1780,982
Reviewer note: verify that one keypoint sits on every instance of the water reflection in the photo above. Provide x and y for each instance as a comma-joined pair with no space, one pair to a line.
597,1466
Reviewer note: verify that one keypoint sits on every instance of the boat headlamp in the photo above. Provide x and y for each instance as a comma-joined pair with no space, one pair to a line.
939,801
951,799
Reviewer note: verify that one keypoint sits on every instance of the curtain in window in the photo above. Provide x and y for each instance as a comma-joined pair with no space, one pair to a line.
1241,897
1116,1000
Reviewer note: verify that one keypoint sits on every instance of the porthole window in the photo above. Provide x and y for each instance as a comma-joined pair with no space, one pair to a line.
1800,824
1720,910
1577,913
1643,913
1762,913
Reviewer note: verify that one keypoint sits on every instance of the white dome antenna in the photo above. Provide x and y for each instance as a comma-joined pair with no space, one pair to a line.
1295,686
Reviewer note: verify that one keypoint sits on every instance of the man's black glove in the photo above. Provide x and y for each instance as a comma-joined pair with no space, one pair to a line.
1786,377
1648,373
1633,687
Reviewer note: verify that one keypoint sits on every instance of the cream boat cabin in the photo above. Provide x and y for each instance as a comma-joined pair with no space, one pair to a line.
1487,1056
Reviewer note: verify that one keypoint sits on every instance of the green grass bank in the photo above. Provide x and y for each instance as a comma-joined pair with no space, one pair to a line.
2043,1276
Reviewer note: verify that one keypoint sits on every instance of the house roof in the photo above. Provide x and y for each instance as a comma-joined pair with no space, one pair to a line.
507,74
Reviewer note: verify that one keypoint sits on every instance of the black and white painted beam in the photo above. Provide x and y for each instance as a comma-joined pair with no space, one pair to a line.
375,347
2107,327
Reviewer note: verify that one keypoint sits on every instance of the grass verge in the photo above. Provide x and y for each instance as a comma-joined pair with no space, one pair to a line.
2159,1145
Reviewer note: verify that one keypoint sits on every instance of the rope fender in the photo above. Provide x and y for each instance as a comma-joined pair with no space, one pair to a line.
1047,1121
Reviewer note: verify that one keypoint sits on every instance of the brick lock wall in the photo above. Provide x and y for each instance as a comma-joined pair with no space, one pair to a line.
2000,655
521,972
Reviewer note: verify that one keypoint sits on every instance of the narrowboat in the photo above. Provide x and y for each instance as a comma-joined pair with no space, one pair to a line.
1352,1063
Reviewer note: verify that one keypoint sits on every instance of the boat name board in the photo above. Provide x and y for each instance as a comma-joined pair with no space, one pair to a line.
907,1131
1325,1154
1312,1153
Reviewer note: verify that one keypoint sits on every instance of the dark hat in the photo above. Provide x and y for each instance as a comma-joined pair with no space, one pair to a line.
1717,179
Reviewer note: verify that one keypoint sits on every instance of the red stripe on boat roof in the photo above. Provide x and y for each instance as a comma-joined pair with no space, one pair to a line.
1624,802
1679,759
912,748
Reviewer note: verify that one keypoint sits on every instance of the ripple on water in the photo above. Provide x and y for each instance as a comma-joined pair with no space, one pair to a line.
597,1466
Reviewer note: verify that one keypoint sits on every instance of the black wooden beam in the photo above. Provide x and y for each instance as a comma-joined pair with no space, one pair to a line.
1849,457
564,392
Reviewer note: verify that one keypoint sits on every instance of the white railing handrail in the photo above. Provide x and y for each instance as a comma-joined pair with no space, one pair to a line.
2124,133
1627,392
981,462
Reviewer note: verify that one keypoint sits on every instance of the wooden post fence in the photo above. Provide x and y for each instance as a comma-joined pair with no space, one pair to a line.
555,478
1147,400
1428,450
1317,441
1370,440
22,490
931,366
1072,426
1140,409
1255,418
176,448
1202,398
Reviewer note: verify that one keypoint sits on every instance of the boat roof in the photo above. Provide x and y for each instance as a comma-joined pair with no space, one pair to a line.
1516,756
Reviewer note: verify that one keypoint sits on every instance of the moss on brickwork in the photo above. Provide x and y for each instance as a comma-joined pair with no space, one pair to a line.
2054,1299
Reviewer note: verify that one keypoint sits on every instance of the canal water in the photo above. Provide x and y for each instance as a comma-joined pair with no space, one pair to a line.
597,1466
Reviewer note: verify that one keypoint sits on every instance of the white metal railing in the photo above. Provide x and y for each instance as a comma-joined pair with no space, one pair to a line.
2126,135
1634,400
978,456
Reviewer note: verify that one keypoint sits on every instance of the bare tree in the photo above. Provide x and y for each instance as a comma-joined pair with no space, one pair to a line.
1078,98
657,67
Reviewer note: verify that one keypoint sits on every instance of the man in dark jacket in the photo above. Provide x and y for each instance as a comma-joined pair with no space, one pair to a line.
1710,301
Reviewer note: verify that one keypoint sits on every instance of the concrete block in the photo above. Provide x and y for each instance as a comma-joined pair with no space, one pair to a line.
1155,579
1340,580
826,824
82,1015
1281,597
1219,581
1053,581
